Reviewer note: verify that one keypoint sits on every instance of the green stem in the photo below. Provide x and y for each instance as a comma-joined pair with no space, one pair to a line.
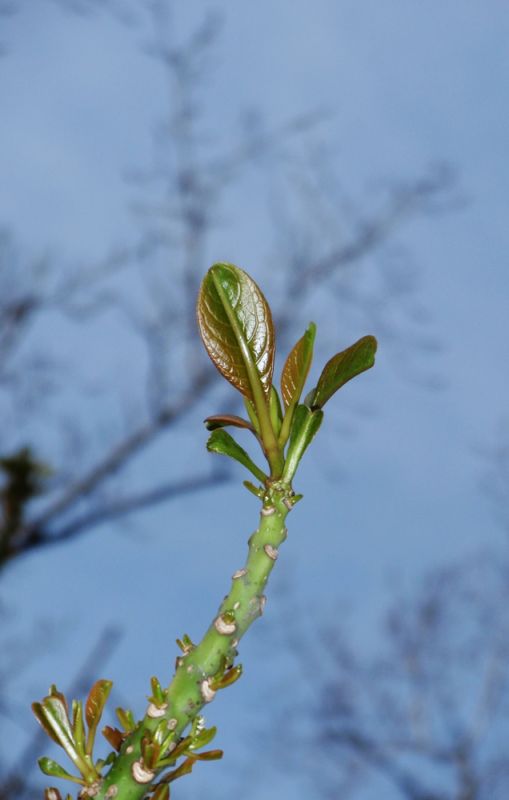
189,690
284,433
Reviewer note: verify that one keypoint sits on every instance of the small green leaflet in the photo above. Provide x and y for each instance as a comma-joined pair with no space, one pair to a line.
52,716
341,368
203,738
305,425
221,442
52,768
94,708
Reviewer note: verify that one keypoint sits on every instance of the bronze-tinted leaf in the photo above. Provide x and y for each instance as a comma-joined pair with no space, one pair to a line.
162,792
296,367
181,747
236,327
224,420
183,769
94,708
52,793
228,678
343,367
114,737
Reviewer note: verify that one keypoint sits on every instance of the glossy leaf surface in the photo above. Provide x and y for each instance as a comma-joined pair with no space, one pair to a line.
78,727
221,442
236,327
296,367
203,738
94,708
40,715
50,767
304,427
229,677
343,367
158,695
52,715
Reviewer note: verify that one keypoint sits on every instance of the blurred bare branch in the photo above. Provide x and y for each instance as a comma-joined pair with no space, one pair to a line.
152,311
116,508
425,716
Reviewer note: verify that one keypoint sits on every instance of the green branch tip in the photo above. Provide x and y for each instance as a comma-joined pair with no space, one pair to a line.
150,753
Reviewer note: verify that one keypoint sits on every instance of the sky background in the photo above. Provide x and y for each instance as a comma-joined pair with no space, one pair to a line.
402,85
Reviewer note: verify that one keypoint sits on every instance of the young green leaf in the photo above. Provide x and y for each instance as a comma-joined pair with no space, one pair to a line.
208,755
256,490
40,716
50,767
126,719
186,644
296,367
158,696
53,717
221,442
237,330
276,414
341,368
304,427
150,751
78,727
203,738
94,708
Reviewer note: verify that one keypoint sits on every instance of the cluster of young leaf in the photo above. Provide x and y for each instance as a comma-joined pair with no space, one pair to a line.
70,732
236,326
158,748
157,755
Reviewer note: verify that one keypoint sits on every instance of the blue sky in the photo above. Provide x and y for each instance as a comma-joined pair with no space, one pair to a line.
404,85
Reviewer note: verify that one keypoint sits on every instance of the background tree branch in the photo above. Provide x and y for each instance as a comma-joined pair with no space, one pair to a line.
179,196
